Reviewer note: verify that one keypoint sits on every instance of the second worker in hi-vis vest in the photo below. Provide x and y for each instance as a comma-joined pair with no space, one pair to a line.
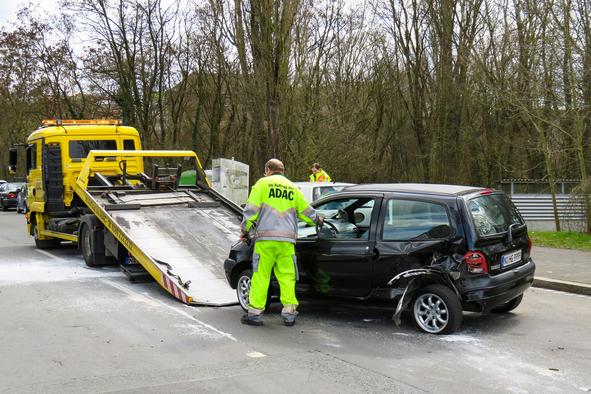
273,209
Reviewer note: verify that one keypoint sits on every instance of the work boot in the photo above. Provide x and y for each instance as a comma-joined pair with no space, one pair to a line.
252,320
289,319
288,314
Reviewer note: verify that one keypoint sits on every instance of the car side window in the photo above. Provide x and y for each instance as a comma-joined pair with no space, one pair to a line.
347,218
409,220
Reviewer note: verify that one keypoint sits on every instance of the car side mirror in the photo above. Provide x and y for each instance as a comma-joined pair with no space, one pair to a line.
12,160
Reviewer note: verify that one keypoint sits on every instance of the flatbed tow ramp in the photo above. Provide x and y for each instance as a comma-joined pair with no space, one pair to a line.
179,235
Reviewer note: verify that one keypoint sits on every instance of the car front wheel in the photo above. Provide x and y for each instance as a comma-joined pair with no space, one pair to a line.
437,310
243,288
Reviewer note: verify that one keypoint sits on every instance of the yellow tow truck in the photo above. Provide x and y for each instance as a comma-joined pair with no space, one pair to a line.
87,184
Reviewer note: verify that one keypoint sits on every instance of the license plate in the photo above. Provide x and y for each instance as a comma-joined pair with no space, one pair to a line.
511,258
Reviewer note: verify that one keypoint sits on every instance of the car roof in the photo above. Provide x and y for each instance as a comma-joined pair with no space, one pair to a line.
313,184
424,188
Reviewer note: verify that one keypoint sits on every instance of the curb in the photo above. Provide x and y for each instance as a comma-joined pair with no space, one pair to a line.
562,285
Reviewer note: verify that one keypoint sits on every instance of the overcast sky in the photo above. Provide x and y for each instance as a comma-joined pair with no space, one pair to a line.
9,8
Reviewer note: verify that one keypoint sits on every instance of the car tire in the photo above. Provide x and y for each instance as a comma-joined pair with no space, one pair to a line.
243,289
437,310
4,207
508,306
44,243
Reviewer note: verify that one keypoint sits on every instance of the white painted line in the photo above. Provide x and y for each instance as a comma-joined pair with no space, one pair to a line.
135,296
256,355
155,302
50,255
212,328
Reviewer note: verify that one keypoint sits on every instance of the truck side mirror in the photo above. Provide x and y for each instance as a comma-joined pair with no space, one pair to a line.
12,160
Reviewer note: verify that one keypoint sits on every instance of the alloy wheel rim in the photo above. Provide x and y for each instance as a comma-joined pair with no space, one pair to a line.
431,313
243,290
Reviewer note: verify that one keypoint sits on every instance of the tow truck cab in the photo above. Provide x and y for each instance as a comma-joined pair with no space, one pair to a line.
55,154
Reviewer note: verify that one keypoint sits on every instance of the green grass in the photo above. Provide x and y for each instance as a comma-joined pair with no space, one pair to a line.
563,240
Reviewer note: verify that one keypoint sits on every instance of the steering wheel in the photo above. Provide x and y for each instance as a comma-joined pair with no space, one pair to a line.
333,228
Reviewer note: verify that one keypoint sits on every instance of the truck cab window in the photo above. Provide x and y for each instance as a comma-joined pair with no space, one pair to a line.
128,145
80,149
31,157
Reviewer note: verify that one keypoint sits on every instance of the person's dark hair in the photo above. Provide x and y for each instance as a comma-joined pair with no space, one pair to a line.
316,165
275,166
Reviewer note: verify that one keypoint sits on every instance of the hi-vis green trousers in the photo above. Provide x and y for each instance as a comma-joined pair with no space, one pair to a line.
278,256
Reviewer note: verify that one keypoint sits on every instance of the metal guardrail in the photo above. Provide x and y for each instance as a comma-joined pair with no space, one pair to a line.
539,206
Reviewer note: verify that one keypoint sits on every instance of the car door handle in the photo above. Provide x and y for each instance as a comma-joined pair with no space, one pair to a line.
376,254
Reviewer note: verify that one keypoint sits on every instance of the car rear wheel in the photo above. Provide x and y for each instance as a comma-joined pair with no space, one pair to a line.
509,306
437,310
4,207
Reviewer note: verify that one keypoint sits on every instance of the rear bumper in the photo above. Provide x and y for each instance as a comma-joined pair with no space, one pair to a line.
481,294
9,202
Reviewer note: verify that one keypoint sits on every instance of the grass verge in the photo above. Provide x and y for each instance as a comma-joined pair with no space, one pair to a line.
563,240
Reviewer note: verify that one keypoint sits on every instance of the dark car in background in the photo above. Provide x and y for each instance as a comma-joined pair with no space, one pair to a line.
434,250
8,194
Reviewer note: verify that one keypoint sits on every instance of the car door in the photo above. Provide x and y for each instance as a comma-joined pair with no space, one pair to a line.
406,239
337,261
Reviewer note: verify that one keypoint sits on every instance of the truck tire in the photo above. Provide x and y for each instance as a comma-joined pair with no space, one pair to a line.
87,239
437,310
44,243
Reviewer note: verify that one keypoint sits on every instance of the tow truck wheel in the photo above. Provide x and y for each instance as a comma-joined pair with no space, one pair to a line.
437,310
86,246
243,290
44,243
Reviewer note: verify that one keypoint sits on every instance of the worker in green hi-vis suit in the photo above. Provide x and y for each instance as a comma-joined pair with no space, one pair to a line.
273,207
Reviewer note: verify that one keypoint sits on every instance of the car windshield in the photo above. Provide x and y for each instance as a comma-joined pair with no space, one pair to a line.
322,191
493,214
13,186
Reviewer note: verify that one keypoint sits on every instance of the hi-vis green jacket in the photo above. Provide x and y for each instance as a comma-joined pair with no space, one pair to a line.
275,204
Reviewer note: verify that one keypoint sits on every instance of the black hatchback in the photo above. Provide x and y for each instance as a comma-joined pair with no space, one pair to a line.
432,249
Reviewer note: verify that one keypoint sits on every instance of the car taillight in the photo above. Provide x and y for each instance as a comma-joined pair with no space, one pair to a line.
476,262
529,245
11,195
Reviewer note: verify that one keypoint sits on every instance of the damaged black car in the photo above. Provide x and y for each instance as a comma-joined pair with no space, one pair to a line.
434,250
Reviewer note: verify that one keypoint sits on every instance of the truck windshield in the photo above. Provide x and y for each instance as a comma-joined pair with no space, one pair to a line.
493,214
80,149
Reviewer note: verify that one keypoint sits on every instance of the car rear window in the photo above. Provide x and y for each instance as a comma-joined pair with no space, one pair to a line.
493,214
406,220
80,149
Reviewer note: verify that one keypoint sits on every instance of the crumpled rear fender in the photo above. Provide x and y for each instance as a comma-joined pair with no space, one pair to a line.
413,280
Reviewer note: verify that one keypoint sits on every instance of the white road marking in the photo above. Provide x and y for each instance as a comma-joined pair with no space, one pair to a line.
134,295
50,255
155,302
256,355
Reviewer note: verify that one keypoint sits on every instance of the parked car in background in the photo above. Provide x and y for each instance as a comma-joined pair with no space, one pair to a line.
8,194
315,190
21,199
433,250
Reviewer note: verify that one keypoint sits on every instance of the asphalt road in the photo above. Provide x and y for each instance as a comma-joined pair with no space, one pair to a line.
67,328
